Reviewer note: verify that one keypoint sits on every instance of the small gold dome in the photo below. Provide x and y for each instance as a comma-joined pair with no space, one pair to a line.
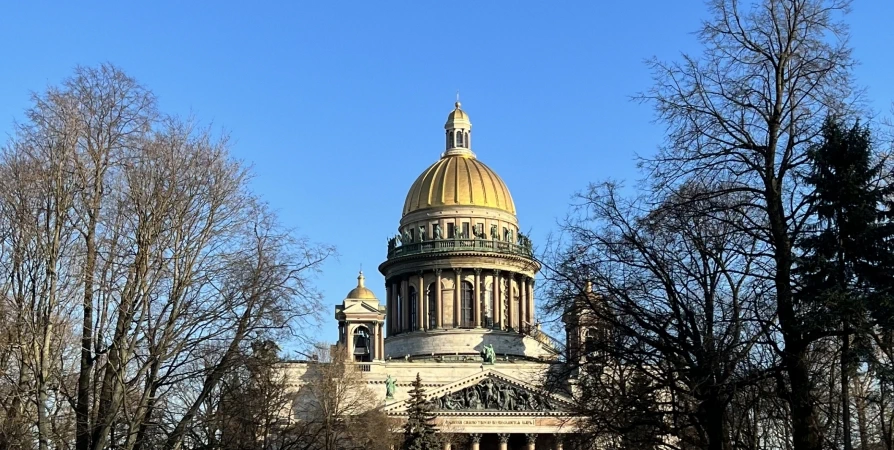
361,292
457,114
458,180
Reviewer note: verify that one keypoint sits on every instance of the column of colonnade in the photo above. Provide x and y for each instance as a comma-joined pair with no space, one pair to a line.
516,317
503,438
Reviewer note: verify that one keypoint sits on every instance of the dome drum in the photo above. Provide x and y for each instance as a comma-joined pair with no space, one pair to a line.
466,342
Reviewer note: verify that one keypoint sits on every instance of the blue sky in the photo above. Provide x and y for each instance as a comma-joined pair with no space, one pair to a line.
338,106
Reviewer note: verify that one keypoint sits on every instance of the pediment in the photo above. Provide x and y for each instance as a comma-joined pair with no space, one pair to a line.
360,307
491,392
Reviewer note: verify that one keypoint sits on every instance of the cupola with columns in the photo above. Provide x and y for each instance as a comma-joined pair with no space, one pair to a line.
361,320
459,274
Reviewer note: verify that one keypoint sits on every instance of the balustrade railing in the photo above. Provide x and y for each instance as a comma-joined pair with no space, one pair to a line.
450,245
535,332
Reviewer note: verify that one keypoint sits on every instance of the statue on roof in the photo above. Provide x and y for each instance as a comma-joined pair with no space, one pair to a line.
437,231
488,354
390,387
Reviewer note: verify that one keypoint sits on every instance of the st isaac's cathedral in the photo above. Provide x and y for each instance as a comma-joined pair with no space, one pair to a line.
458,309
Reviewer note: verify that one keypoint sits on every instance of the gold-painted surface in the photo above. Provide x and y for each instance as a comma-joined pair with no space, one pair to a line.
361,291
458,180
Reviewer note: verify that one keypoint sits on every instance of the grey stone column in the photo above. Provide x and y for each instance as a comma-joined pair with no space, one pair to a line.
457,300
374,342
498,300
531,301
531,439
420,303
476,441
510,302
504,441
439,314
404,303
380,345
389,303
350,344
522,303
476,302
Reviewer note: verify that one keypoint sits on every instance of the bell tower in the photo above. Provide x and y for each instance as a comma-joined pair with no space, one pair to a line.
360,324
585,332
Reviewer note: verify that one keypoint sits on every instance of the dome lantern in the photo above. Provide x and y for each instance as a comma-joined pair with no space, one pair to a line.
459,133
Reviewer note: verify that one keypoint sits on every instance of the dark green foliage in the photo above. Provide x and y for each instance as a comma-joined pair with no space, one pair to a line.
847,265
419,432
846,269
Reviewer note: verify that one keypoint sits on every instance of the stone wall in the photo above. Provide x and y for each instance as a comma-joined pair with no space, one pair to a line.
463,342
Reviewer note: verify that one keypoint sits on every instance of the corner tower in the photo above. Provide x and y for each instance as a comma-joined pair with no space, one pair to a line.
459,274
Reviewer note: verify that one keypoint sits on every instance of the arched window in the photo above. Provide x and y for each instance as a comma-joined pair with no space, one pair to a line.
591,337
432,306
467,139
467,320
459,139
362,351
413,303
450,142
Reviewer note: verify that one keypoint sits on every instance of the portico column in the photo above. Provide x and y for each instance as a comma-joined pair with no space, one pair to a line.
522,303
498,301
438,304
531,439
476,304
504,441
457,301
476,440
420,303
445,445
558,439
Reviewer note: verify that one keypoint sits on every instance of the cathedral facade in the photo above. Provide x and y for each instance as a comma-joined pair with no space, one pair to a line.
458,309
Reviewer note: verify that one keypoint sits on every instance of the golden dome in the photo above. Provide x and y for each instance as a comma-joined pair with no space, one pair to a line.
458,179
457,114
361,292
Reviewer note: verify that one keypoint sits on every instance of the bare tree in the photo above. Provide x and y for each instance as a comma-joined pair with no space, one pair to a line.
142,228
332,408
743,115
679,317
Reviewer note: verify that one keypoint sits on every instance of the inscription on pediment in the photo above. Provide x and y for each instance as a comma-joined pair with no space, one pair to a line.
494,395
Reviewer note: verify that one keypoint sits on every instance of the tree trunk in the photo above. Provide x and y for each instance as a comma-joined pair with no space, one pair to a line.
714,422
82,407
806,434
845,387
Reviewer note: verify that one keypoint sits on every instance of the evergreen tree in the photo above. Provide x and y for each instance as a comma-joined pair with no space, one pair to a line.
419,432
846,267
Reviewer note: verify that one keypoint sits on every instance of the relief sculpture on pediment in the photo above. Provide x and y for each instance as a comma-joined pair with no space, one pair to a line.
494,395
